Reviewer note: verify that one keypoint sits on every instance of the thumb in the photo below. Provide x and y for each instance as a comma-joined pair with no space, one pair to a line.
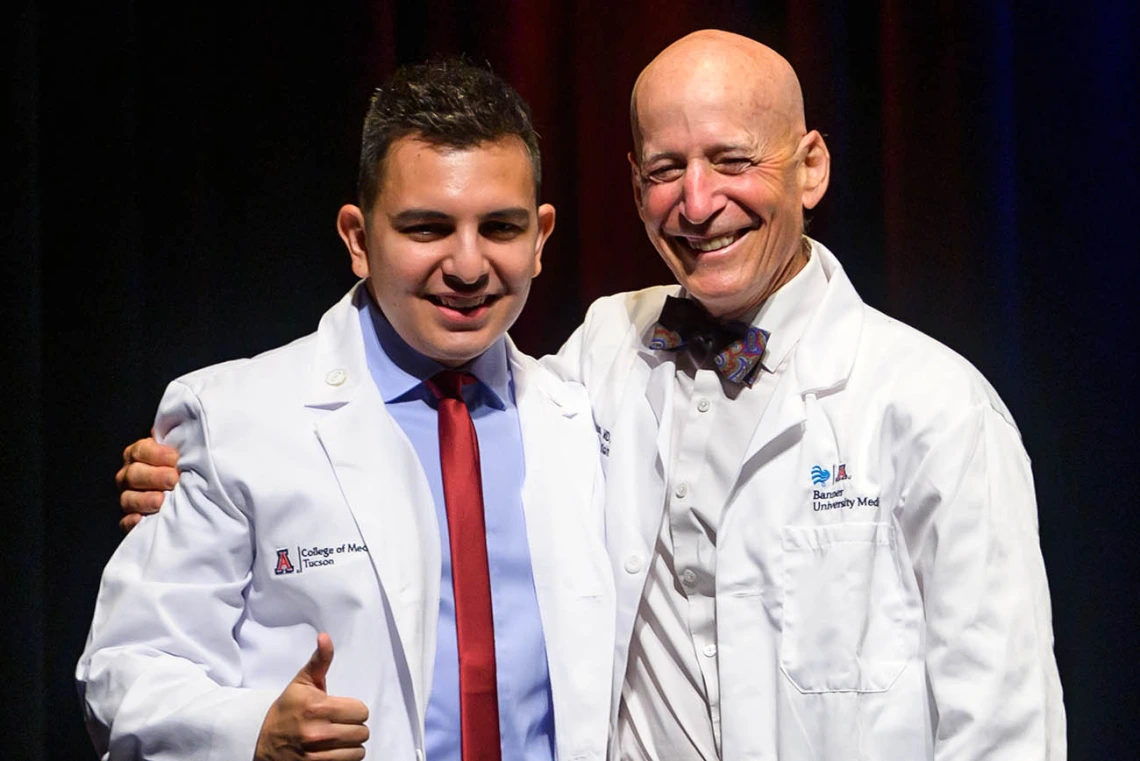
313,672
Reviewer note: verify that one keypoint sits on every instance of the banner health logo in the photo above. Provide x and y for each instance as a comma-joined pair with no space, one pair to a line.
819,475
284,565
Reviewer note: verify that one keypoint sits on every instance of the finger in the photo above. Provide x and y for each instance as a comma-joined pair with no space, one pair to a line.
139,476
142,502
332,736
128,522
151,452
315,670
336,754
344,710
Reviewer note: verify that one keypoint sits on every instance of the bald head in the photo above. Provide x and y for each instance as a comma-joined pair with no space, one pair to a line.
721,69
723,168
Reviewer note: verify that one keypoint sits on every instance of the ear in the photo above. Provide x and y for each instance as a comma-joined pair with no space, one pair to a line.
545,228
635,178
350,226
815,168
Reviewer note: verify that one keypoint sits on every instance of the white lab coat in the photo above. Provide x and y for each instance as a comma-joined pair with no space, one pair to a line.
195,635
908,617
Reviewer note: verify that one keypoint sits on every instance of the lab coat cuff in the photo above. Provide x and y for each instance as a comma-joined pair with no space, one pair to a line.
238,724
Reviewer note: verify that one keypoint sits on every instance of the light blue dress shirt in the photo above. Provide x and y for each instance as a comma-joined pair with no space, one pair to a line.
526,712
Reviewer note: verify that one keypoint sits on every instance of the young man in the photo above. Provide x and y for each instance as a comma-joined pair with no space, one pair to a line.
327,493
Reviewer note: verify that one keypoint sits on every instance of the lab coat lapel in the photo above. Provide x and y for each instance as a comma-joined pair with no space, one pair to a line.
821,365
653,371
559,470
383,483
562,504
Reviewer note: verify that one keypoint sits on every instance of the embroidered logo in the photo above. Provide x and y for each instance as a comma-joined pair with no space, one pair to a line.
315,556
284,564
826,499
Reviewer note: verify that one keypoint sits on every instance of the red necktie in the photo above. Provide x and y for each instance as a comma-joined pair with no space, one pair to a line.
475,628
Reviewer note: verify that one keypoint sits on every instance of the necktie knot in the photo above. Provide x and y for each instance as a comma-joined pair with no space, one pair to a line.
449,384
736,348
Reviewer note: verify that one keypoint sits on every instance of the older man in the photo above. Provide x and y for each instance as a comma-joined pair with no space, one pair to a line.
822,522
834,550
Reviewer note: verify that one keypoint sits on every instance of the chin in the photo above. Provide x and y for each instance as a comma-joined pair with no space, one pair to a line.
458,353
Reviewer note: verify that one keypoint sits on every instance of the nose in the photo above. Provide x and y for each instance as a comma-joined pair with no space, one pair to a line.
701,193
465,268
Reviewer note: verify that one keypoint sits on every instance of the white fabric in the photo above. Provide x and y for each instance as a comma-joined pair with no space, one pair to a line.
901,613
195,635
670,704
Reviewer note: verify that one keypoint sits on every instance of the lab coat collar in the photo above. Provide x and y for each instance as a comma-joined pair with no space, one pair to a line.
785,315
660,367
339,368
828,347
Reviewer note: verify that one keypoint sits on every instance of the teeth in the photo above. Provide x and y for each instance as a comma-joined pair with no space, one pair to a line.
712,244
449,301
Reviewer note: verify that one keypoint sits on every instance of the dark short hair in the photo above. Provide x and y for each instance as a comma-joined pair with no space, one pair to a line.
449,103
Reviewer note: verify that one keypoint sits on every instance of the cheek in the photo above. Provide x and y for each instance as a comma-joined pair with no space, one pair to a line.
657,202
403,266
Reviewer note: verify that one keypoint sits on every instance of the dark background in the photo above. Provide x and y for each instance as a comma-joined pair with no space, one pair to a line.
176,169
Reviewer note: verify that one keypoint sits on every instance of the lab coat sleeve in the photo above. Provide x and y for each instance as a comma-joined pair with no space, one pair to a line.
161,674
970,519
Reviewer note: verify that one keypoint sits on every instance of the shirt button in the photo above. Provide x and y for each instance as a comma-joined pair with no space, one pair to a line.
709,650
336,377
688,577
703,405
681,490
633,564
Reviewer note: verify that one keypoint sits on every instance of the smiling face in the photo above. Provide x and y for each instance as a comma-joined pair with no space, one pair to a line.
723,169
451,243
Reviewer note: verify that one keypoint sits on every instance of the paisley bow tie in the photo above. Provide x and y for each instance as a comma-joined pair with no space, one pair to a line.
736,348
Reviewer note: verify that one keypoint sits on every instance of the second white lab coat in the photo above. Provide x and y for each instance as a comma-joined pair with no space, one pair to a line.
302,508
880,591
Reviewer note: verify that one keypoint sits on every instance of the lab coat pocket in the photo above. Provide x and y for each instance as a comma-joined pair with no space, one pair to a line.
845,625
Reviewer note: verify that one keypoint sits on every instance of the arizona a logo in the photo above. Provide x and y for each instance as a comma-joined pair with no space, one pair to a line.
284,565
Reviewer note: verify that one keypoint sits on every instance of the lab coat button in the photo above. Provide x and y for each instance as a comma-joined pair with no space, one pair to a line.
688,577
709,650
681,490
633,564
336,377
703,405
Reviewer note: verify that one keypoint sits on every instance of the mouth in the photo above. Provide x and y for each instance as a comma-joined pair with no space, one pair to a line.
463,306
707,245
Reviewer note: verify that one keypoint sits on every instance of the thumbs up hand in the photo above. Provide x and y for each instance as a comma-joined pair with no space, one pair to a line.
305,722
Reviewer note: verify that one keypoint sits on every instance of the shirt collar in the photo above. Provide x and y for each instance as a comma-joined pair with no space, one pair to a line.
786,313
399,370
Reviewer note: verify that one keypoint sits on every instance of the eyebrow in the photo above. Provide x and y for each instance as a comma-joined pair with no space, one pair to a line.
714,150
411,216
514,214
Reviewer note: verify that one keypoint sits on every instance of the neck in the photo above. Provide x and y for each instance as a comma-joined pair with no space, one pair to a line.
780,277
